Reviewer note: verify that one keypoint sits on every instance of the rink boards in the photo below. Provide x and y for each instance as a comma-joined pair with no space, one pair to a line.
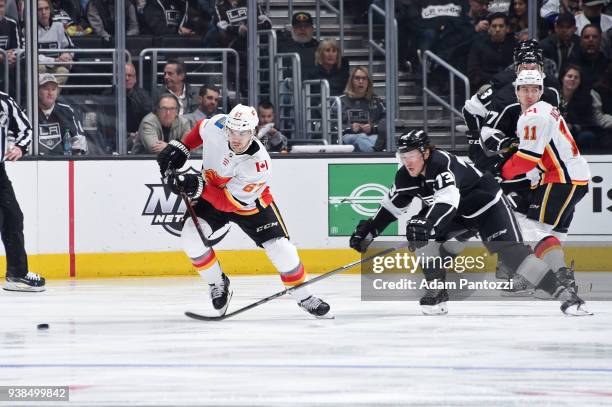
113,218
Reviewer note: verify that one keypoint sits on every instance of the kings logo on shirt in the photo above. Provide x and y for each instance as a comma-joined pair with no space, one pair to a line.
165,207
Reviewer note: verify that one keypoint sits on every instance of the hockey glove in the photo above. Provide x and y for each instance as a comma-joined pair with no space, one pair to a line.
362,237
175,155
418,232
191,185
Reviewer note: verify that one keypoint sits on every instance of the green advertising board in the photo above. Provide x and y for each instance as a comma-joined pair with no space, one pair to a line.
354,193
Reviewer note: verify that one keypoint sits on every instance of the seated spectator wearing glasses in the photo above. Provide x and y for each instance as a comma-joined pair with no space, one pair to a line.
161,126
54,119
363,113
101,15
51,35
175,83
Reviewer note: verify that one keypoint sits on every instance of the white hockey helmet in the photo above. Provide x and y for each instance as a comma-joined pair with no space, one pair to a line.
242,118
529,77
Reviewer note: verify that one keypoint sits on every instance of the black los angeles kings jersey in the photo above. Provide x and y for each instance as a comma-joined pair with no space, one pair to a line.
449,188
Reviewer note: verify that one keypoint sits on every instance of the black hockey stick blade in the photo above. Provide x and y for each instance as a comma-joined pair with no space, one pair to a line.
288,290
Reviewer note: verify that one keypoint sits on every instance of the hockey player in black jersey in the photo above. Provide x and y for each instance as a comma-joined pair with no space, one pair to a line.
456,196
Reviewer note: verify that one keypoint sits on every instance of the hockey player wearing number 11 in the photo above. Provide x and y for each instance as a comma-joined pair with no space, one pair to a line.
233,187
545,142
456,196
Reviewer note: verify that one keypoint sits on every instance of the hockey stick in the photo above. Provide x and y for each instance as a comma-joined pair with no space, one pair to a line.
288,290
192,214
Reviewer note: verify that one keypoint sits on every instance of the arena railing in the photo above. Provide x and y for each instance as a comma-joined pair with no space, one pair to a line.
157,56
289,94
452,72
268,83
96,60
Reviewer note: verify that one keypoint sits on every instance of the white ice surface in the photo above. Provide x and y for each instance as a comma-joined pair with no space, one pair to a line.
127,342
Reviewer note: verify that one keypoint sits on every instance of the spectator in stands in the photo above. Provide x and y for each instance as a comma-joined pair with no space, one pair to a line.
161,126
492,54
577,106
478,15
72,15
10,37
51,35
138,103
12,11
602,108
55,120
101,15
175,83
172,17
518,18
363,113
592,14
589,56
443,27
561,45
301,41
231,22
271,137
209,97
330,65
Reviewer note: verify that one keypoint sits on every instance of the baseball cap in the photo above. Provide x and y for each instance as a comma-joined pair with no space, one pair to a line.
45,78
301,18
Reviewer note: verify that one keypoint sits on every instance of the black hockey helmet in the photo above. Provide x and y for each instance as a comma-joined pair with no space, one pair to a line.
528,52
413,140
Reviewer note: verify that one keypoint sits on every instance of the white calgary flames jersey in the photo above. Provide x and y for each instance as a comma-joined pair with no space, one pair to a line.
546,141
234,182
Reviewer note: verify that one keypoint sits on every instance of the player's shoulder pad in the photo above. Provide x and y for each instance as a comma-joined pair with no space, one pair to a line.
256,150
551,95
439,160
218,120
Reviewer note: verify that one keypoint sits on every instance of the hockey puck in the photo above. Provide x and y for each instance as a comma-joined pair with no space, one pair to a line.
42,326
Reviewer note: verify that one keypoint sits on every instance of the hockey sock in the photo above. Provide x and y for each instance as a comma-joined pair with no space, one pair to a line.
549,249
208,267
293,278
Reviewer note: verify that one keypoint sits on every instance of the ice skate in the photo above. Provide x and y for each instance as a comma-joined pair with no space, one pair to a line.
316,307
575,307
221,294
434,302
520,288
31,282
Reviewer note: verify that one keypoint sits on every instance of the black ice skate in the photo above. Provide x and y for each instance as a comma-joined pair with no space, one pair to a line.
316,307
574,305
31,282
434,302
221,294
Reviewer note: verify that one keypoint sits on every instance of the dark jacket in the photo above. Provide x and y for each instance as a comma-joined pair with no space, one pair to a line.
138,105
559,52
592,67
488,58
101,14
306,52
10,37
164,17
229,17
362,110
51,129
337,78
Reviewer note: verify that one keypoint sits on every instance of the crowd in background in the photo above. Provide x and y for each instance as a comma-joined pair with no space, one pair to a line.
475,36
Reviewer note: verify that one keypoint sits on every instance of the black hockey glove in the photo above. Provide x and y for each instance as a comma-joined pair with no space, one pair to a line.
418,232
473,136
175,155
191,185
362,237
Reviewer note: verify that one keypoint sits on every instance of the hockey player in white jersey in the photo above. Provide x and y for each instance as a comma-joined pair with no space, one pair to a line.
546,143
233,187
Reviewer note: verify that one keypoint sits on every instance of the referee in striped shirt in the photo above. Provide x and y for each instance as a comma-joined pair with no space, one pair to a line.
18,278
